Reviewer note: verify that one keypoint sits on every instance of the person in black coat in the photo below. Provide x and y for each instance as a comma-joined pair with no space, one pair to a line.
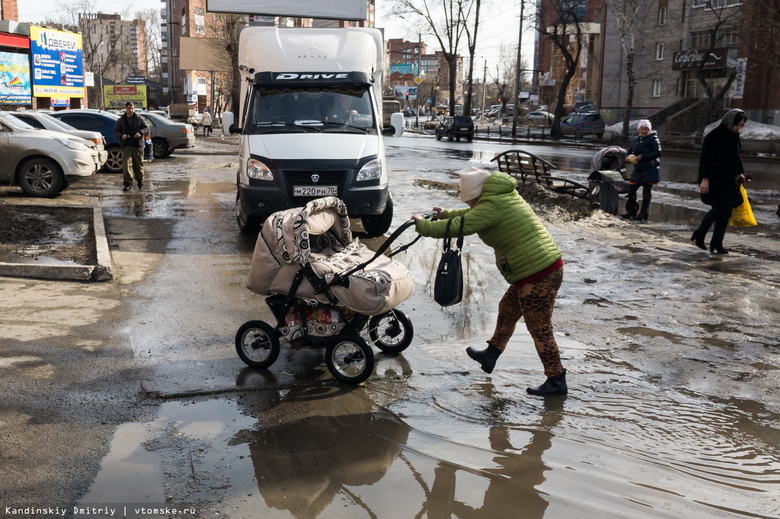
645,155
720,174
130,129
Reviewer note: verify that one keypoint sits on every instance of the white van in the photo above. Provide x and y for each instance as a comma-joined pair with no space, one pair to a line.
311,123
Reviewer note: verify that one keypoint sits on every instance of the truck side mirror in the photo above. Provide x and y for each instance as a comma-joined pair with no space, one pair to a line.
227,123
397,122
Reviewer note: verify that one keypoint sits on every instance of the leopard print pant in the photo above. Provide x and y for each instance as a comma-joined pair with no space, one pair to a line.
534,301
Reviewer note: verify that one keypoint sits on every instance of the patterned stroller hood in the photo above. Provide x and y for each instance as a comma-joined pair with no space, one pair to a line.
611,158
319,235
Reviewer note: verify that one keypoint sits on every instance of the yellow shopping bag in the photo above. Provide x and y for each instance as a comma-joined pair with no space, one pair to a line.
742,216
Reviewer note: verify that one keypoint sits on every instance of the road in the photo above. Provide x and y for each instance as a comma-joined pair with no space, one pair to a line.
130,394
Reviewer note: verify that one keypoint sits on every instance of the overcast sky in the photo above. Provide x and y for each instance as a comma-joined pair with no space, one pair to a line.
500,24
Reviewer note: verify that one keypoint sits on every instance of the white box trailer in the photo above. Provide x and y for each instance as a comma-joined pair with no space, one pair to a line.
311,123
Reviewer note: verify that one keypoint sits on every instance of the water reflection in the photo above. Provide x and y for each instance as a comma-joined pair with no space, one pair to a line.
515,474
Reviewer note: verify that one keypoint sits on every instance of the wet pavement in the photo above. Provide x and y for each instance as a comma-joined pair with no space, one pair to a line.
672,357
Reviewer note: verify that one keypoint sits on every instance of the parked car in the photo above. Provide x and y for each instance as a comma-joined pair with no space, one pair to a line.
40,161
584,106
540,117
168,135
493,112
44,121
96,120
455,127
579,124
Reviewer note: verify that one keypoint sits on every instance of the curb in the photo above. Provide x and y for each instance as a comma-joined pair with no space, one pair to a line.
101,272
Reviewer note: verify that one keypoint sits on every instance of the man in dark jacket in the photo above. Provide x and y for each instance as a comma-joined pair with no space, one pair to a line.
130,130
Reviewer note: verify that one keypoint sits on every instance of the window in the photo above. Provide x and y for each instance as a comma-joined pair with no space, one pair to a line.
700,39
715,4
200,21
659,51
662,16
656,88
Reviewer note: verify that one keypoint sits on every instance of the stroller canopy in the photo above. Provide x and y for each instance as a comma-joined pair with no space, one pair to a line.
611,158
319,235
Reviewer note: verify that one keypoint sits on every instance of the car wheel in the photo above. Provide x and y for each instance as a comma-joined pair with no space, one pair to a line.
600,135
247,224
159,148
114,161
40,177
377,225
438,136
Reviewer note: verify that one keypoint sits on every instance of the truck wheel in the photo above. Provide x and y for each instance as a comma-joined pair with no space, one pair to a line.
114,161
247,224
40,177
159,148
600,135
378,224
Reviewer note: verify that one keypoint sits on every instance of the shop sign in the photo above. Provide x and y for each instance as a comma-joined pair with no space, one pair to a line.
58,63
692,59
15,79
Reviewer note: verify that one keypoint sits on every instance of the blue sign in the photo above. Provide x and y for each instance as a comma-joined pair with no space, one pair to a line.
58,63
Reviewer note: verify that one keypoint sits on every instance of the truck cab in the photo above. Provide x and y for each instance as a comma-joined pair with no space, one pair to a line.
311,124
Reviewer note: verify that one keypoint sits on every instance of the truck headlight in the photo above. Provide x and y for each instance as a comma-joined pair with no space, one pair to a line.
256,169
371,171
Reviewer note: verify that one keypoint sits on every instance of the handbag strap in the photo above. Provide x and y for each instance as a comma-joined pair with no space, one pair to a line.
448,238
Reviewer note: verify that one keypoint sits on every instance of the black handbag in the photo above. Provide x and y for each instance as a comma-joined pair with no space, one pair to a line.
448,286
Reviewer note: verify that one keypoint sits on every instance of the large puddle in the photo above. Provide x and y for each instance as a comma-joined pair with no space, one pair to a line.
473,450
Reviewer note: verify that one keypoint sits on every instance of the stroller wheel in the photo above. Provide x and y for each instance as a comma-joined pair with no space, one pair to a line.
350,359
257,343
391,332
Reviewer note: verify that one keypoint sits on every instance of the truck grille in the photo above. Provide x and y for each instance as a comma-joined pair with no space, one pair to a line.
303,178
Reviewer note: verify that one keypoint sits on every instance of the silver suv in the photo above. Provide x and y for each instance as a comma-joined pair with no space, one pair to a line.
40,161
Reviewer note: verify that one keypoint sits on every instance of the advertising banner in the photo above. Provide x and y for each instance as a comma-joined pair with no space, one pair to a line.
692,59
58,63
328,9
739,81
15,79
115,96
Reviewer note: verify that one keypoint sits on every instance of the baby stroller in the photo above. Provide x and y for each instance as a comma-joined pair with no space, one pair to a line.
326,290
608,179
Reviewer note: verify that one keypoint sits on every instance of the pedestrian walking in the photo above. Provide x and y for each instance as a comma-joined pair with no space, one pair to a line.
528,259
720,175
206,122
645,155
130,129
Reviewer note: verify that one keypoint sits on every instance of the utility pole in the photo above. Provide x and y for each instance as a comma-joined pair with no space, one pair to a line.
419,75
518,71
484,88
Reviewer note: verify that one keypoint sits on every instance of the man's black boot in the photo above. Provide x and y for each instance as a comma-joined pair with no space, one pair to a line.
552,386
487,358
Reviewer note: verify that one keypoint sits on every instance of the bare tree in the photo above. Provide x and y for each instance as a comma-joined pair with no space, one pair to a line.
445,18
225,28
152,42
471,28
504,75
560,25
629,16
723,21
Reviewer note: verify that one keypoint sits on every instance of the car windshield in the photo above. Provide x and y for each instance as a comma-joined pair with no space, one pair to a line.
463,120
56,122
15,122
297,110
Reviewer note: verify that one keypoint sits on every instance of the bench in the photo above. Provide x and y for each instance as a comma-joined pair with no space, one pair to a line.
527,167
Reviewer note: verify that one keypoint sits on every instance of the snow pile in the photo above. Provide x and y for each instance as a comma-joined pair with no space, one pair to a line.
752,130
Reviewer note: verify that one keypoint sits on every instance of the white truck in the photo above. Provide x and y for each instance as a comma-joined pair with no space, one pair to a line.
311,123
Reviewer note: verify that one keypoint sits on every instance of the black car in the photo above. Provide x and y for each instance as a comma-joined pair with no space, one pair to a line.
455,127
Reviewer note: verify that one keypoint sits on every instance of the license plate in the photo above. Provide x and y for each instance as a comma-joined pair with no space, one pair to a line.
315,190
464,129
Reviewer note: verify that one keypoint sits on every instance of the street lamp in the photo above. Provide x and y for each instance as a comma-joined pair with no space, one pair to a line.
100,73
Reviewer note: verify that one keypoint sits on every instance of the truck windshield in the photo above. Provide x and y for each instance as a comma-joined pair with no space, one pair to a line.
296,110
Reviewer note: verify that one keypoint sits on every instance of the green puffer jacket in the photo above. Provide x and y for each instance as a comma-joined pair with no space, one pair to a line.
505,222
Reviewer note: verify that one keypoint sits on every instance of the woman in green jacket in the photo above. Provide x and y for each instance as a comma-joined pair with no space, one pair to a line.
526,256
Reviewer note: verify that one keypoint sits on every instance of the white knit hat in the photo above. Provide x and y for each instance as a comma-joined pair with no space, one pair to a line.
644,123
471,183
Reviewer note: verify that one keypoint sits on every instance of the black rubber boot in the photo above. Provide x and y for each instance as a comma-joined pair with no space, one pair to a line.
487,358
643,213
717,248
631,206
552,386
